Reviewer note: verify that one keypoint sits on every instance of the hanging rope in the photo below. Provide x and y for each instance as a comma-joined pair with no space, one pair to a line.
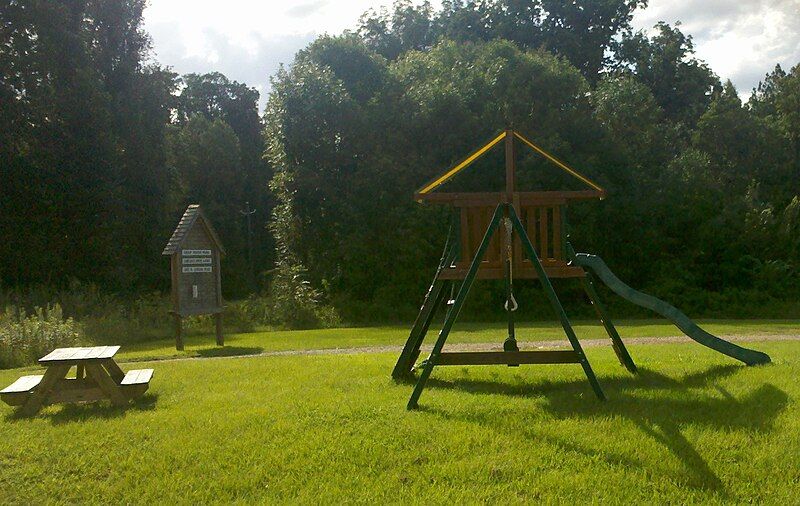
509,259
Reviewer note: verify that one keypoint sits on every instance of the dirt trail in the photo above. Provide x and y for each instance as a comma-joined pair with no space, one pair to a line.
524,345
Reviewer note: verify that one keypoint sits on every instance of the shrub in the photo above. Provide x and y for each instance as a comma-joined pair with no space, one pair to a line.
25,337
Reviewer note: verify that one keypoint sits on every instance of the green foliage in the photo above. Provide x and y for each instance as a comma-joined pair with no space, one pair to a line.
660,133
215,150
626,108
25,337
581,32
681,84
84,149
330,187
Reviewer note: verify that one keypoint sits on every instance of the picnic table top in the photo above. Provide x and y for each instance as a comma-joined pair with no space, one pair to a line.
79,354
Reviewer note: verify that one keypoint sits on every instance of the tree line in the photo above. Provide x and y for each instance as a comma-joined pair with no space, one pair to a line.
104,148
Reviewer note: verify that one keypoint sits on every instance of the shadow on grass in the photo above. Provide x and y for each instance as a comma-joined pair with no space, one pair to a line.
658,405
102,410
230,351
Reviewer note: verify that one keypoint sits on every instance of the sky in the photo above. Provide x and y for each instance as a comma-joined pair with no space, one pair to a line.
741,40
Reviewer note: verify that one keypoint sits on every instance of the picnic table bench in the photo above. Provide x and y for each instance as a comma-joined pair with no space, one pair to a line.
97,377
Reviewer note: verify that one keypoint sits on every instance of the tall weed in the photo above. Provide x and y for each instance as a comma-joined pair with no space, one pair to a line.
25,337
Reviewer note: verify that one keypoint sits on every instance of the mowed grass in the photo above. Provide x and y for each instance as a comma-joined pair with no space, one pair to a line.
693,426
267,341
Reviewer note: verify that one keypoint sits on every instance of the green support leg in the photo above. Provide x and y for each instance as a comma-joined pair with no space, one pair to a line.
408,356
452,313
424,332
557,307
616,341
588,282
433,299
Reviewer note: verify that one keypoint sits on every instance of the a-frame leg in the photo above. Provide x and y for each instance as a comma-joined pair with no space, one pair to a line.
588,283
616,341
452,313
433,300
553,298
430,305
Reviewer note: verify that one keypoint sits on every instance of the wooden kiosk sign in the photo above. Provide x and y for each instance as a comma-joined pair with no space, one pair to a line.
195,252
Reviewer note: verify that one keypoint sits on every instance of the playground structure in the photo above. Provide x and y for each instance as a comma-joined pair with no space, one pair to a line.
522,235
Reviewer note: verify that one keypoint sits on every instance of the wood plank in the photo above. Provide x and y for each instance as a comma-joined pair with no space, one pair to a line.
23,384
78,354
92,353
494,198
518,253
35,401
544,229
475,230
136,382
489,257
15,398
134,391
526,271
57,355
533,228
494,254
466,247
508,357
113,370
108,352
111,389
557,246
137,377
510,163
17,393
473,198
73,395
550,198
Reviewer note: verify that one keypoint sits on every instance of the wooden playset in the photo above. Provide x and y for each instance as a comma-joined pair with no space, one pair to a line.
512,235
195,252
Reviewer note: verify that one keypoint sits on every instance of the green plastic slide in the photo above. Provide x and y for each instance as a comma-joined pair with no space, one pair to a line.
690,328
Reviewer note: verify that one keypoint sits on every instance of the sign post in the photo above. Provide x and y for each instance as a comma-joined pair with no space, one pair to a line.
195,252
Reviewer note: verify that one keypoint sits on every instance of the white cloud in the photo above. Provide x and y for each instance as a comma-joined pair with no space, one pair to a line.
740,39
246,41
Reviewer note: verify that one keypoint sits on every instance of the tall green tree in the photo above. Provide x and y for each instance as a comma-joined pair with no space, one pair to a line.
681,84
349,148
582,32
215,97
82,165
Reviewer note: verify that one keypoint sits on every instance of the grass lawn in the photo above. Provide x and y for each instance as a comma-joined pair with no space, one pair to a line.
258,342
693,426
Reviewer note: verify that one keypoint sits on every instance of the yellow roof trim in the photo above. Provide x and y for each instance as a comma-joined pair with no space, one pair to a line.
559,163
455,170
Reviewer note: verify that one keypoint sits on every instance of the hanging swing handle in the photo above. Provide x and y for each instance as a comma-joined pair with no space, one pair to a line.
509,258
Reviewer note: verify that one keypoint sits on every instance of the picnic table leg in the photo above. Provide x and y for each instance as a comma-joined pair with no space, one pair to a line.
52,375
106,383
113,370
79,372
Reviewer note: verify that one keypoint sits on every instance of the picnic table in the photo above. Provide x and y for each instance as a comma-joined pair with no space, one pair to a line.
97,377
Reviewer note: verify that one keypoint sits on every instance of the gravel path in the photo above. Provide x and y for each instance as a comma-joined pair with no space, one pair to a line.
498,346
